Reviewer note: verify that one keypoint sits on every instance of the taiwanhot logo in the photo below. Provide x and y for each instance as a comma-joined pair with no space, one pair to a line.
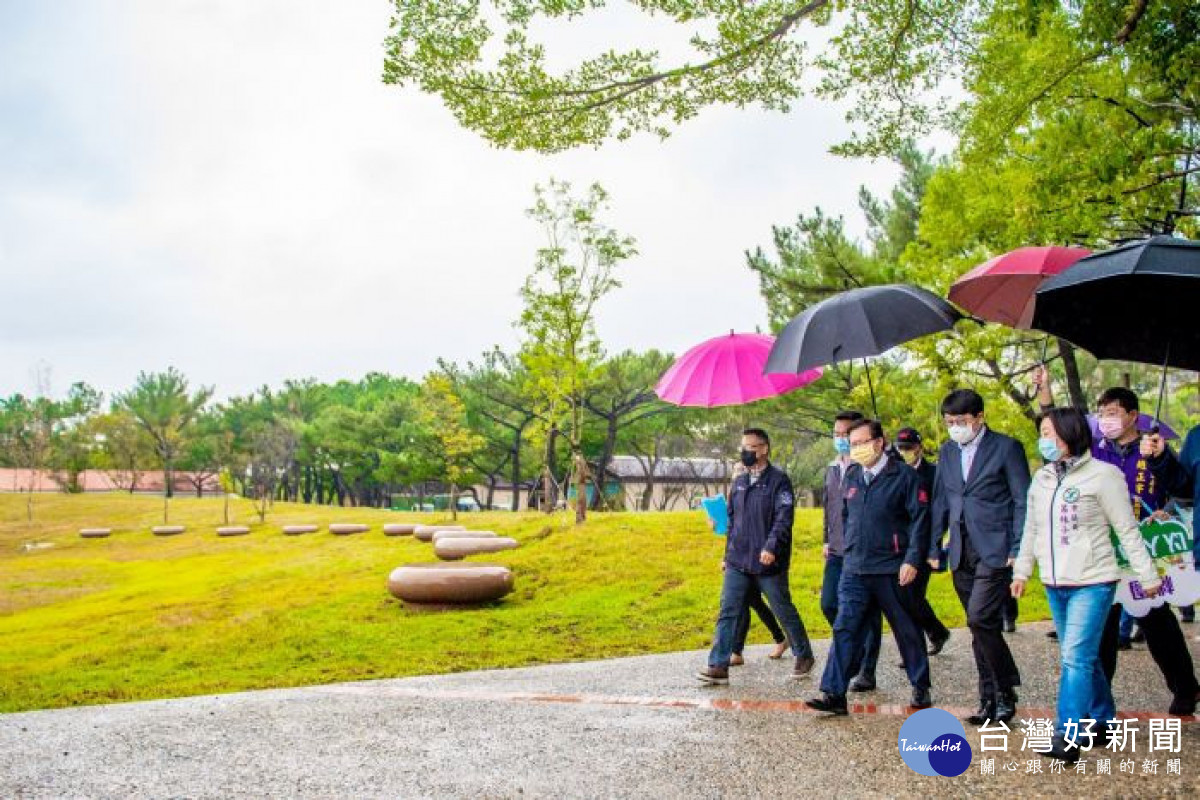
933,742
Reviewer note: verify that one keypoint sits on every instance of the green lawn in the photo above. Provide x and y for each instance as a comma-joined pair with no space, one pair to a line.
137,617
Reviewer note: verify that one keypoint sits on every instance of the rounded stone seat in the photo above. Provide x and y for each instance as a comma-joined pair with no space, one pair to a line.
462,535
295,530
425,532
167,530
455,548
399,529
95,533
444,584
343,528
233,530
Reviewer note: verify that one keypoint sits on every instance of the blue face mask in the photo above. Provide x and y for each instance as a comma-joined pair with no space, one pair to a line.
842,445
1049,449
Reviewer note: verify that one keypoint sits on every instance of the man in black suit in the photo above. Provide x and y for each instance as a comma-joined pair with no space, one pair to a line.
979,497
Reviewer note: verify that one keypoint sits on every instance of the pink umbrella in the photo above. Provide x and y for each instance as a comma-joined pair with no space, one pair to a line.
727,371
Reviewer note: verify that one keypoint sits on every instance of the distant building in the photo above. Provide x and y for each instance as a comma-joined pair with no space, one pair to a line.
95,480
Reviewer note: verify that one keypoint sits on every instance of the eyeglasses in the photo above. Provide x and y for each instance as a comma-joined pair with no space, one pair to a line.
961,419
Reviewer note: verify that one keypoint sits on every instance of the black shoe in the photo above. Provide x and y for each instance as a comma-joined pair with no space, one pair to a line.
830,704
1124,644
714,676
900,664
1010,626
936,645
986,712
1187,615
921,698
1006,706
1139,635
803,667
1182,706
861,684
1060,750
1051,634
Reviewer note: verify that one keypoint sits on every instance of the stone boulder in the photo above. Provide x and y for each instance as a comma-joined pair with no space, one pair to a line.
167,530
449,585
453,549
296,530
425,532
233,530
343,528
95,533
399,529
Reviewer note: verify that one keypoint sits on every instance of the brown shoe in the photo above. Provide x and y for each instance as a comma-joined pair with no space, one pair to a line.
714,676
780,649
736,660
803,667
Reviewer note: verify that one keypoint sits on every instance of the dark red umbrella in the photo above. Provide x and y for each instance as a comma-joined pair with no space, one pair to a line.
1002,289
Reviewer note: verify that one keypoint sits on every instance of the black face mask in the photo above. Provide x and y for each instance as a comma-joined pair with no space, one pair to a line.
749,458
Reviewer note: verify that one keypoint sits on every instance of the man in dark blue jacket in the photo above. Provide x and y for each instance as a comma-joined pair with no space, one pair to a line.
886,539
758,552
979,497
911,447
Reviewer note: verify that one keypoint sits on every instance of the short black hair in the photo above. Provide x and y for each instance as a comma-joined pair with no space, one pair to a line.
875,425
1121,396
759,432
848,416
1072,427
963,401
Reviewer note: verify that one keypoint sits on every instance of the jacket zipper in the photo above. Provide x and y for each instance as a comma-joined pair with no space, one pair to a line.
1053,503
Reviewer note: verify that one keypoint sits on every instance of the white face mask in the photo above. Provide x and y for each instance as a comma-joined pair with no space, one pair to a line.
963,434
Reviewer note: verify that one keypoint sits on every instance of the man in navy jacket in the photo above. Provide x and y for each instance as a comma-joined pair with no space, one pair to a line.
758,551
979,495
886,541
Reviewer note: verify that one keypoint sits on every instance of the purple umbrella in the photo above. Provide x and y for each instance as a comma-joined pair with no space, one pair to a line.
1145,423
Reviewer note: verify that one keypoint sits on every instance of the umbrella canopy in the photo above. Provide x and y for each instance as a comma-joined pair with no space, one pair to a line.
727,371
1002,289
859,323
1137,302
1145,424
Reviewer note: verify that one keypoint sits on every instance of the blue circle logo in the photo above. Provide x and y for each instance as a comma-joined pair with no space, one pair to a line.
933,742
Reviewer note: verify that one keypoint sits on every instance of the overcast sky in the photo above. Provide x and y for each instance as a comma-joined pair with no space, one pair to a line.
229,188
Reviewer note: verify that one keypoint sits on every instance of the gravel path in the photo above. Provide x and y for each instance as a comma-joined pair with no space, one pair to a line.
634,727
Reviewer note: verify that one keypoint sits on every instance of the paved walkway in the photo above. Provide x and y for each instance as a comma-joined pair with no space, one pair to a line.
633,727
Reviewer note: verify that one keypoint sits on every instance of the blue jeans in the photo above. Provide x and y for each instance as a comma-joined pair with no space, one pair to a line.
736,589
1079,613
866,656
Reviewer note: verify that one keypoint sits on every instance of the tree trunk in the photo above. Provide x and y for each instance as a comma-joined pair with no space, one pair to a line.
606,455
1071,368
491,492
516,470
454,501
581,503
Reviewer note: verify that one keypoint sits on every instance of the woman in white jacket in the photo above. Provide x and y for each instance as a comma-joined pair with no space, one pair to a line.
1075,502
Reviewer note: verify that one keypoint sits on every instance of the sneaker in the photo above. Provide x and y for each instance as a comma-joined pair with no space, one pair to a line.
736,660
803,667
829,704
714,676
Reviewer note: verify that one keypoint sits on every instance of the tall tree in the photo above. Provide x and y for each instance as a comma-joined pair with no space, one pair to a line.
454,443
573,272
164,406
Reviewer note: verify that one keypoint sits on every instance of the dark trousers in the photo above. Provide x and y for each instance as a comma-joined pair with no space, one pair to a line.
922,612
1164,640
982,591
764,614
864,659
736,588
1010,610
861,597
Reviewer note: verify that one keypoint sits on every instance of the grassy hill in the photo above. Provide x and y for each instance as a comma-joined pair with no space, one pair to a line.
137,616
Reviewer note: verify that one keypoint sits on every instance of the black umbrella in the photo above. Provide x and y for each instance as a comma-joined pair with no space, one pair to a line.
859,323
1137,302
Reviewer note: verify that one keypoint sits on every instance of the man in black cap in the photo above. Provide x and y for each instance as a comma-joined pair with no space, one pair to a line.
910,447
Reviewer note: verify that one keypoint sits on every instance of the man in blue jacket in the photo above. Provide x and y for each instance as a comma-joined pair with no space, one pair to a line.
979,496
758,552
886,540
